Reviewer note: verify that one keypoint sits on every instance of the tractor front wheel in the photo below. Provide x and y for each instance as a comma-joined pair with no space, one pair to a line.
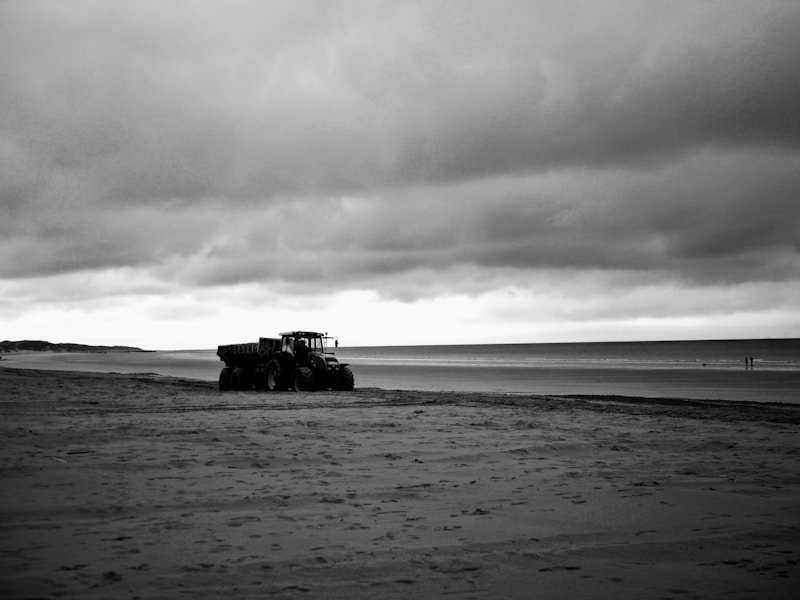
346,381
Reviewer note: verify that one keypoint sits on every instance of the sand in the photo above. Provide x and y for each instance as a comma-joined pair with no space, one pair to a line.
139,486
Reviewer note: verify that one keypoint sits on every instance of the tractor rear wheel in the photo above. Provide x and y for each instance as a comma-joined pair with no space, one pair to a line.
275,376
225,379
303,380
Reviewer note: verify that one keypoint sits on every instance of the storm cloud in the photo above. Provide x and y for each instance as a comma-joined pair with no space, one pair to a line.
410,150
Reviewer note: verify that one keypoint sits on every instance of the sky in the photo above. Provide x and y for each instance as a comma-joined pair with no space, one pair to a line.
182,174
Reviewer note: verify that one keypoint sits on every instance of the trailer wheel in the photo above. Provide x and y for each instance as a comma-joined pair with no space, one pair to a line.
346,381
239,379
225,379
258,379
303,380
274,376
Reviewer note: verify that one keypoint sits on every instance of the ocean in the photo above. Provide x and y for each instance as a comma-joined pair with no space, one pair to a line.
710,370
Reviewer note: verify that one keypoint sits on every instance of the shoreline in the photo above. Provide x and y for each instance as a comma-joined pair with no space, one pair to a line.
510,397
695,384
124,485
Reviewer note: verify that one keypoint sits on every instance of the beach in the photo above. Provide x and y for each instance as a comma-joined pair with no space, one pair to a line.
697,370
146,486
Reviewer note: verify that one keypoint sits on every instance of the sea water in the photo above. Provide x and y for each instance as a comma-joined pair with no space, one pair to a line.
719,370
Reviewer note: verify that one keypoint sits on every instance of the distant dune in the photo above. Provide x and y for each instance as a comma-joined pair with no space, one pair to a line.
42,346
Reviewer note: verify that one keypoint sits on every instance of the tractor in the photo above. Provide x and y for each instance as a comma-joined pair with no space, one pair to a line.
298,360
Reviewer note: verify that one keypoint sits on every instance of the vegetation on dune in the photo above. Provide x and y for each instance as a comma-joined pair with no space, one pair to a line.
42,346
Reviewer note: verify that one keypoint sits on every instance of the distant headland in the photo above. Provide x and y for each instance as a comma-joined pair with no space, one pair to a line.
42,346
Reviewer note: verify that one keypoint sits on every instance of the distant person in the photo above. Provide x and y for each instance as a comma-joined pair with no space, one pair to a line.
751,363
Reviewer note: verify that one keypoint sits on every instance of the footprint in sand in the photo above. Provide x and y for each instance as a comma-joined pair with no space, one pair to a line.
239,521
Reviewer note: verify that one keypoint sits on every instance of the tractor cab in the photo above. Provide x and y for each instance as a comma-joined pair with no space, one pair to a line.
297,343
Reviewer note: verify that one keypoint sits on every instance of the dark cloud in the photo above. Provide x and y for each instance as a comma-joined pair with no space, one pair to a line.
260,101
716,219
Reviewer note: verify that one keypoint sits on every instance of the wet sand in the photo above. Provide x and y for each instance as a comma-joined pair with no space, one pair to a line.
698,383
125,486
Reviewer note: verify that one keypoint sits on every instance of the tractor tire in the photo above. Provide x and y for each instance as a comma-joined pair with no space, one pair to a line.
303,380
225,379
275,379
240,380
346,381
